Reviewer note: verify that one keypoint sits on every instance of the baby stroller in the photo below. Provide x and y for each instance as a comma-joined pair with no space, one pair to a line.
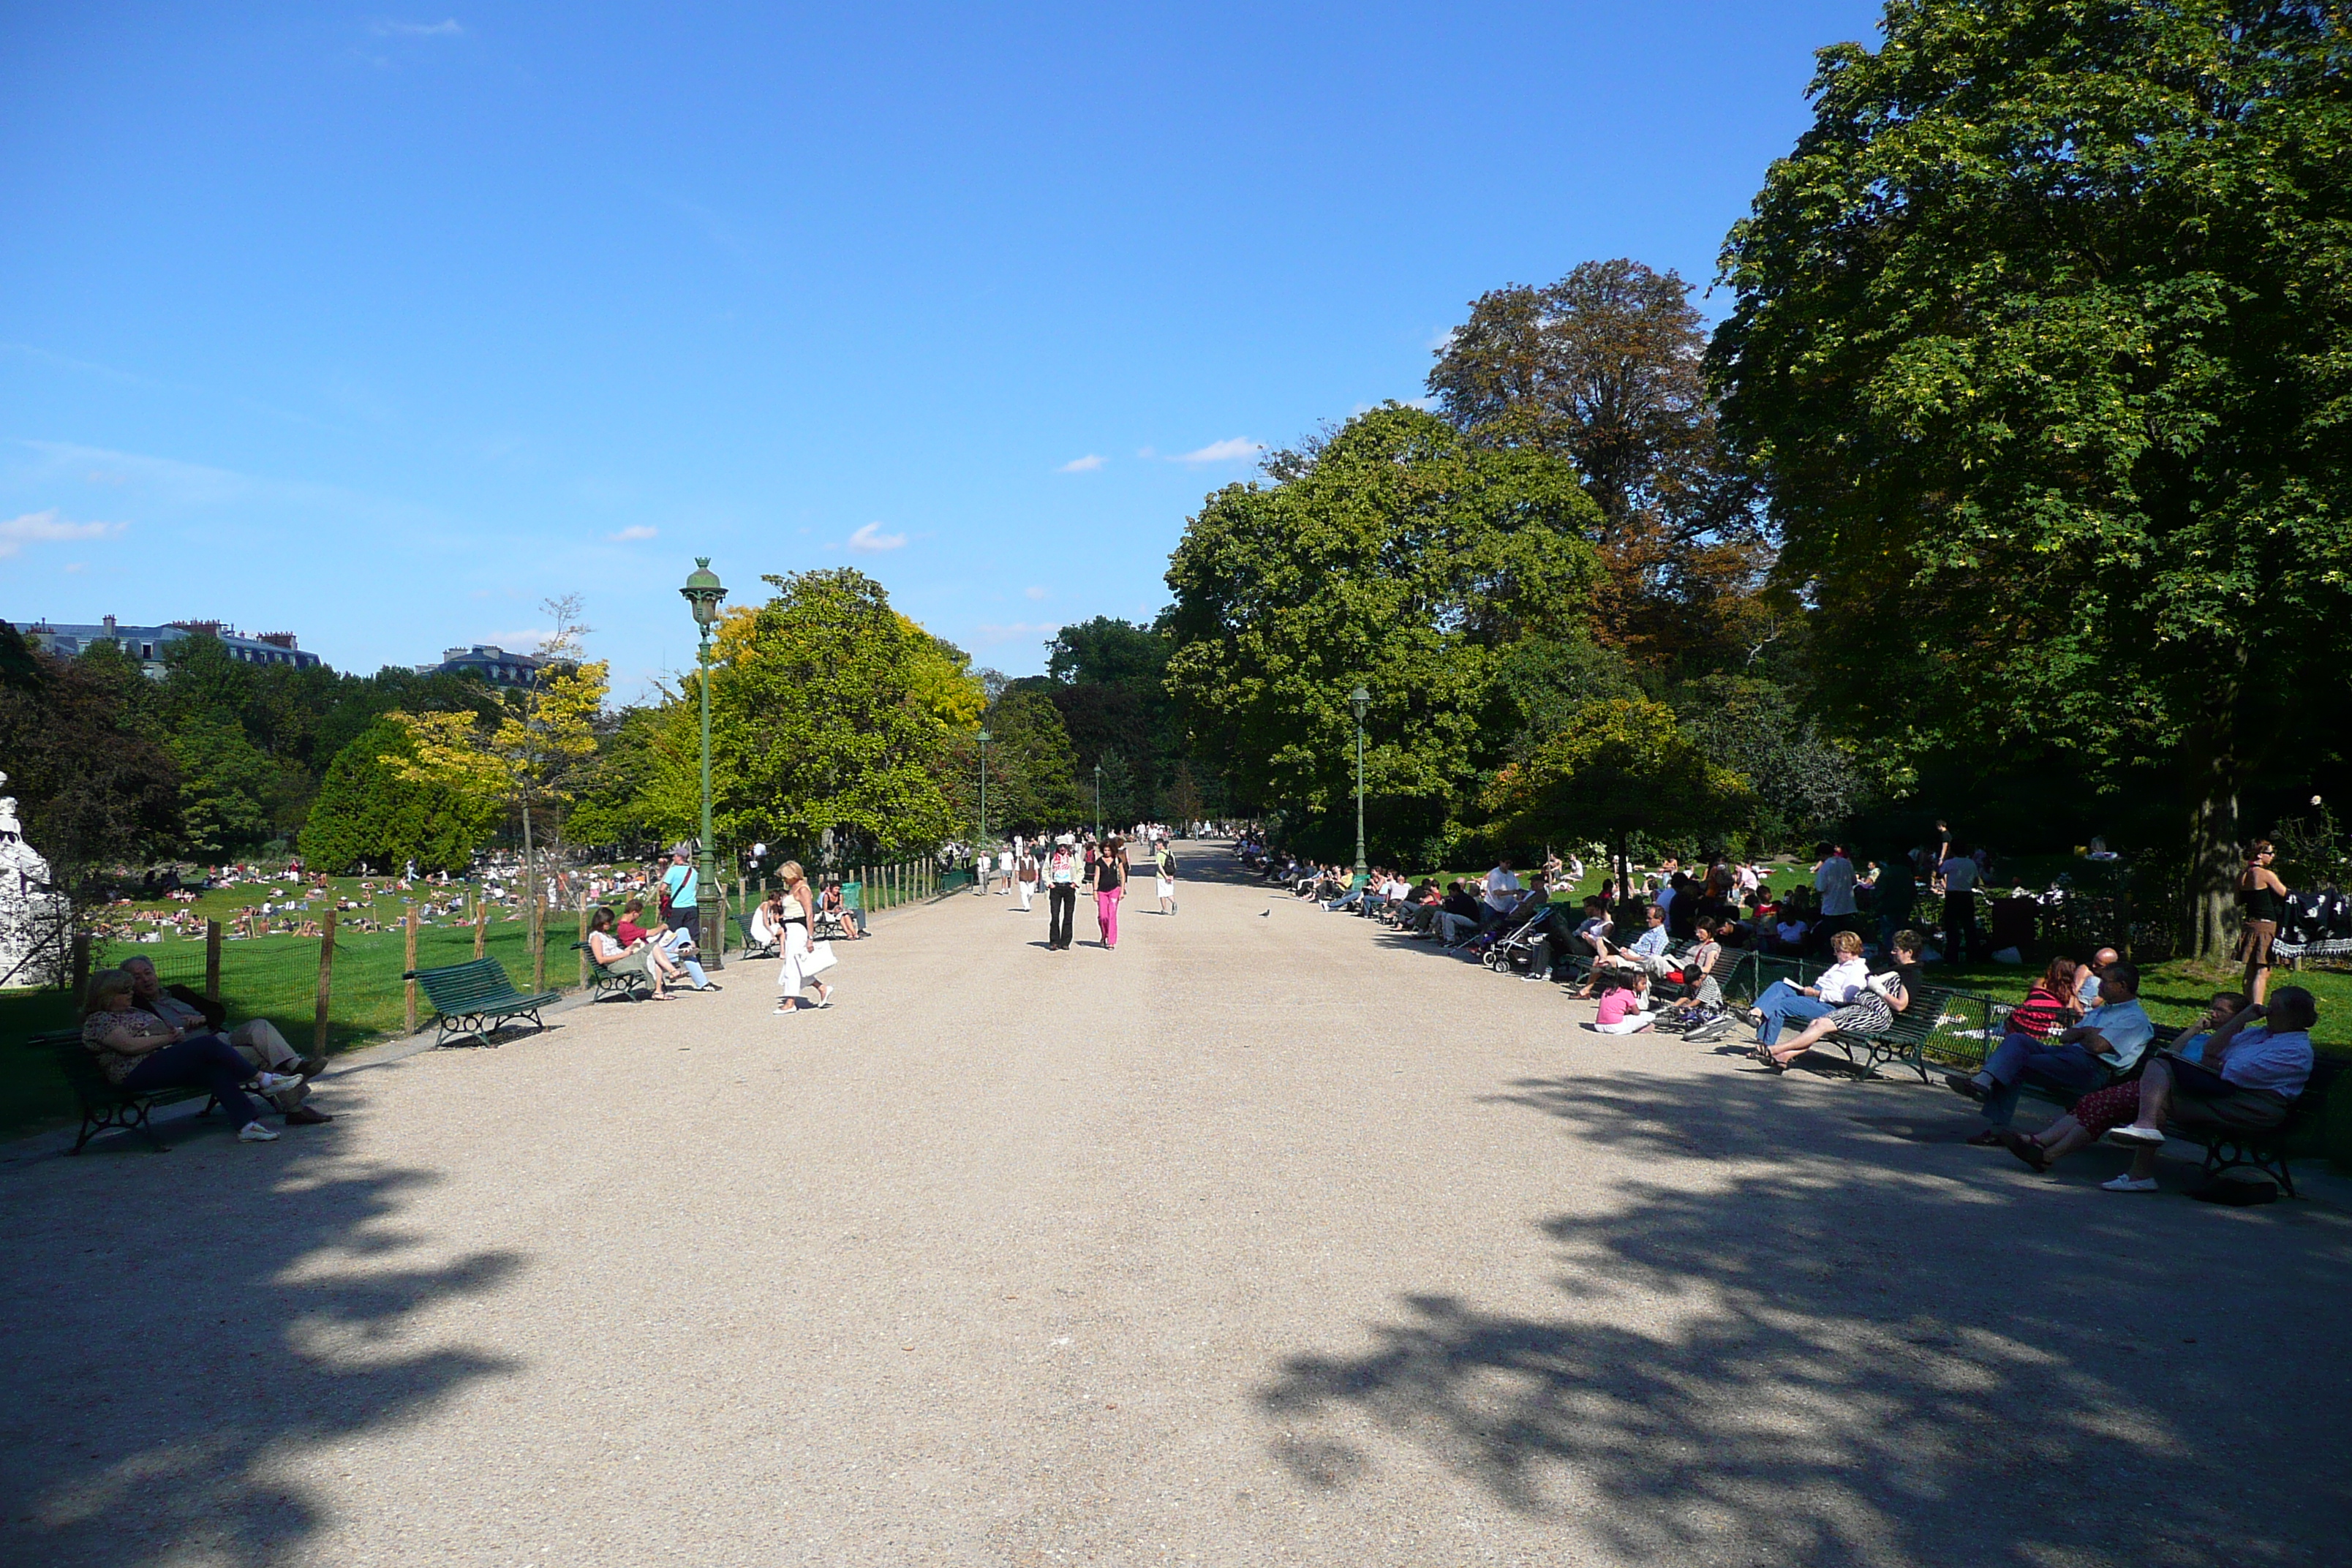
1514,949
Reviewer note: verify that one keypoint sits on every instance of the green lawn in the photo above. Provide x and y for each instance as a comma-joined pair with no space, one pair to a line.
276,977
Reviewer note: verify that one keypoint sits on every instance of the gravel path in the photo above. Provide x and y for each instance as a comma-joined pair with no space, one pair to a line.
1253,1241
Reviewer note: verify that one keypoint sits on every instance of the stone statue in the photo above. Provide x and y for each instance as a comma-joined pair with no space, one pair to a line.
34,918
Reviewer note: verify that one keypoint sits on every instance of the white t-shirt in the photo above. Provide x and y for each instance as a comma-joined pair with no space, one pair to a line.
1502,890
1843,981
1834,882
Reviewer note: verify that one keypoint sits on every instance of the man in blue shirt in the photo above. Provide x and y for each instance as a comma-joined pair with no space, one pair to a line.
2248,1080
685,895
2108,1040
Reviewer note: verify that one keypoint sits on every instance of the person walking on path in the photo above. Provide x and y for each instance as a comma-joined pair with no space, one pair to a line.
1110,887
1163,876
1026,868
799,911
1061,892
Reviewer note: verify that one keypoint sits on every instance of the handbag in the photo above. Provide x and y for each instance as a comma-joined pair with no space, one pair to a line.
820,958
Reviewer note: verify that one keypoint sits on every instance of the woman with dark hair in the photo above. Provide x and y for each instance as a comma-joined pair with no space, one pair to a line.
625,958
2264,898
1110,887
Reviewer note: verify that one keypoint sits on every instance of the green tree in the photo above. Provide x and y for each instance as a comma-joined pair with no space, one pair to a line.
1033,773
1398,556
92,789
226,786
1805,783
832,714
377,808
1606,369
2038,345
1620,765
1107,651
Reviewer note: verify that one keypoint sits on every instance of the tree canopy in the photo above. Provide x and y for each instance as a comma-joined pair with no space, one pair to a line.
1400,556
2039,347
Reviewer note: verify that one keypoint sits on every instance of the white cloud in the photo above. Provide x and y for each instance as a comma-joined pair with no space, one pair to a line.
446,28
1034,592
871,539
634,532
1086,464
1240,448
48,528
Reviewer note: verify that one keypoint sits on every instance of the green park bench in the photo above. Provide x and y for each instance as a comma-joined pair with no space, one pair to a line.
603,982
106,1106
746,946
476,999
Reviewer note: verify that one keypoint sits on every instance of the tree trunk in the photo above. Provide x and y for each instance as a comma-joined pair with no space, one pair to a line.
2213,769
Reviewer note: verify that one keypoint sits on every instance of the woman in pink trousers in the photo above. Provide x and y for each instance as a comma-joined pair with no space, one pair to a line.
1110,887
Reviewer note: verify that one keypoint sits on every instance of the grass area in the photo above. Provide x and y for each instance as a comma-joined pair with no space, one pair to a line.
276,977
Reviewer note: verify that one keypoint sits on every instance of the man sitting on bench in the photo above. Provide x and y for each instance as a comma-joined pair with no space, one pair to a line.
2108,1041
256,1040
2253,1067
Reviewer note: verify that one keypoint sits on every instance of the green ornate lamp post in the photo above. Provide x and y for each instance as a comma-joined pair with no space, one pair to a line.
1098,800
1361,700
980,882
703,591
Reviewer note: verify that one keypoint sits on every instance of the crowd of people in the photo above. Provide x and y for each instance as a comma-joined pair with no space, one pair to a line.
1066,862
1654,959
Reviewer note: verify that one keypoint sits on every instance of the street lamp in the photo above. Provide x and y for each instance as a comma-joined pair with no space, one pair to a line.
1098,800
980,882
702,593
1360,700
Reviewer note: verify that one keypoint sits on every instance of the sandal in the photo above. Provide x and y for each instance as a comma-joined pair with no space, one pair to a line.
2025,1148
1990,1138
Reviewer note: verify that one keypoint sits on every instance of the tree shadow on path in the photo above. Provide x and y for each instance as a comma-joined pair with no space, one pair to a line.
1829,1346
179,1328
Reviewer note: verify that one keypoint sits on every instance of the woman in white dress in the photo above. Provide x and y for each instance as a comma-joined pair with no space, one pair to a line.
799,909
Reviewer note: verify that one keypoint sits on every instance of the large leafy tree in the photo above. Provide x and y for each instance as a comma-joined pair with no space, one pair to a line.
833,713
92,788
376,807
1620,766
1606,368
1398,555
2039,340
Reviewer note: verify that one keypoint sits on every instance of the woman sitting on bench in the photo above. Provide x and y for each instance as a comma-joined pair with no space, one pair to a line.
1872,1009
140,1054
637,956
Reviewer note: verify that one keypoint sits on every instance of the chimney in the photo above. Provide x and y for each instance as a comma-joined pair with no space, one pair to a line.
110,626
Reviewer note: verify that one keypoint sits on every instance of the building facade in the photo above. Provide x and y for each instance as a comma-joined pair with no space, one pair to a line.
489,661
146,644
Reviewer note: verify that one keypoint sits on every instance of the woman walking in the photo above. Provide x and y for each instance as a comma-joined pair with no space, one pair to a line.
1061,893
1110,887
800,909
1163,876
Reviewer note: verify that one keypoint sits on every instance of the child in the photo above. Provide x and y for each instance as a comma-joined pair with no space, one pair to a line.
1624,1005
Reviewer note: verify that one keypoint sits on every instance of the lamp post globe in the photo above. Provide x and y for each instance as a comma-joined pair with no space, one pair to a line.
703,594
1361,701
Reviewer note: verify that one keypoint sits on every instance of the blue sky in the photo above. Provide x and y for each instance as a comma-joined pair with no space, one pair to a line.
383,326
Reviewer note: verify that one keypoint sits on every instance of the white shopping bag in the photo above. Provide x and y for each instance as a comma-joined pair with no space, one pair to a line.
820,959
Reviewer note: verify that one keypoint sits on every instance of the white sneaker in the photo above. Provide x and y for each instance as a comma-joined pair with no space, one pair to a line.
2130,1184
277,1083
255,1132
2133,1134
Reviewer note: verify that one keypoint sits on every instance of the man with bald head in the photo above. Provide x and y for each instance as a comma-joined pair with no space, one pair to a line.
256,1040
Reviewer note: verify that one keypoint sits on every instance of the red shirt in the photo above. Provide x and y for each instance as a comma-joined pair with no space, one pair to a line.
630,933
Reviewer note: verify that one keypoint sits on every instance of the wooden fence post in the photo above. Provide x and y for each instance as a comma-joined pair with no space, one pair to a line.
212,960
584,937
326,982
408,991
539,940
80,949
481,929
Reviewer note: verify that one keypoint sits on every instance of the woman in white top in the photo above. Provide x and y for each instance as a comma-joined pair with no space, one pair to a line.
768,922
799,907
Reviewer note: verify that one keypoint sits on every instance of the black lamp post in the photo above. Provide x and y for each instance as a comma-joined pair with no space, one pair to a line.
1098,802
703,593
